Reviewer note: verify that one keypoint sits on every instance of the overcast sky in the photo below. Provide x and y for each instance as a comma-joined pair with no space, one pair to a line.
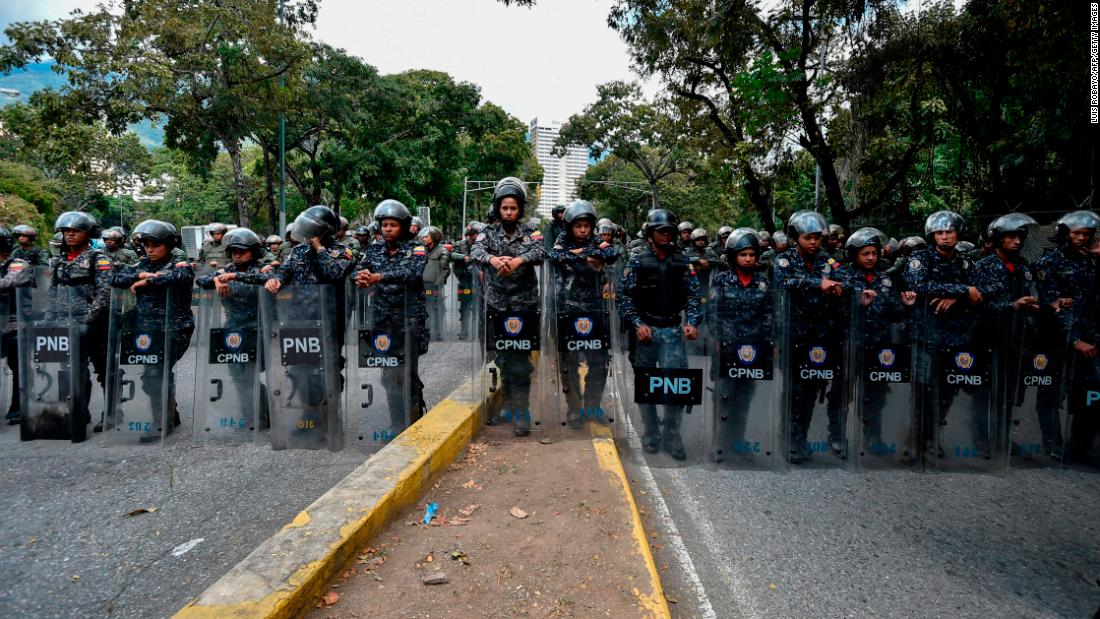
543,62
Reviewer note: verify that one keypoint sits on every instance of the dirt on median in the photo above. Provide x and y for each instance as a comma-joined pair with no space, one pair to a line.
523,529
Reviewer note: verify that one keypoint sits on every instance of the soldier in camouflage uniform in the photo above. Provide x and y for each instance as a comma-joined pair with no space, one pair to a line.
946,300
659,292
509,252
26,236
364,236
14,273
238,284
882,304
115,246
162,287
348,241
436,271
812,279
213,251
742,313
85,272
579,258
1069,291
465,272
684,231
394,269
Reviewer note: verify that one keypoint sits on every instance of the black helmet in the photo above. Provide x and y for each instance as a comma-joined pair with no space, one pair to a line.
5,240
374,228
156,230
698,233
806,222
892,246
964,247
739,239
111,234
1075,220
473,227
913,243
431,232
24,230
392,209
343,223
508,187
943,220
1013,222
77,220
557,211
580,209
725,231
362,231
780,238
418,222
216,228
317,221
242,238
273,239
608,228
863,237
658,218
685,225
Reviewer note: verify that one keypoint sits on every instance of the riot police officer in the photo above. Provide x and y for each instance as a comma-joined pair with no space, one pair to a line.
212,251
14,273
685,229
579,258
555,226
1068,279
114,242
238,284
416,226
659,292
348,241
509,251
162,286
436,271
464,271
942,278
812,279
85,272
395,269
26,236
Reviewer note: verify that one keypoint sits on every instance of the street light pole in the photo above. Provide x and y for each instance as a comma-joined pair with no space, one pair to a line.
465,180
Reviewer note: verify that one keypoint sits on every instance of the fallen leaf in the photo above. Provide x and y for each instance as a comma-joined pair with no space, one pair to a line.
141,510
430,559
671,600
517,513
330,598
469,484
469,509
458,521
773,586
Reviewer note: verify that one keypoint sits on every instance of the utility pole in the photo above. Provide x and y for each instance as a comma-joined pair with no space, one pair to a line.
282,152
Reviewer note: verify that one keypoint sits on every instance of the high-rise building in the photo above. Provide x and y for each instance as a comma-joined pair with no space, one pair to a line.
559,174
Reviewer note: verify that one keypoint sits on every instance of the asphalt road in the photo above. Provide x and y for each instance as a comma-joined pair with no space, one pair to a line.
70,550
823,542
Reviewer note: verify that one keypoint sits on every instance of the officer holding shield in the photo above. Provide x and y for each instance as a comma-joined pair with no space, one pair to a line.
509,252
14,273
579,258
659,292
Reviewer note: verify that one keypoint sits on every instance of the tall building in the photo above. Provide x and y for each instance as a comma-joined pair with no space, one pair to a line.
559,174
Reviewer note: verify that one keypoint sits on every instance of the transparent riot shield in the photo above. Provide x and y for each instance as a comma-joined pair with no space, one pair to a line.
302,356
883,421
815,393
382,351
55,383
1035,354
746,431
228,361
512,338
576,363
141,353
961,417
1082,444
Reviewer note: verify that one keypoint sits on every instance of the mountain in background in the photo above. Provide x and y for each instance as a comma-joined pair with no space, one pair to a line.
17,88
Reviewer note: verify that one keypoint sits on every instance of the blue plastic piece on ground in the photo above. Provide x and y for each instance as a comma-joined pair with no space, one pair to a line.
429,512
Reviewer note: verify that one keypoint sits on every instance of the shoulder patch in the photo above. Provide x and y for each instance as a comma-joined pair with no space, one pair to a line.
536,235
783,262
420,250
182,263
915,264
886,281
1027,275
762,285
336,253
480,237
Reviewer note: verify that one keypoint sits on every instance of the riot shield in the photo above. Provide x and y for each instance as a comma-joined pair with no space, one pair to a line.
883,421
577,352
303,362
142,350
745,331
55,382
1035,353
1082,444
814,394
958,375
512,339
382,350
228,352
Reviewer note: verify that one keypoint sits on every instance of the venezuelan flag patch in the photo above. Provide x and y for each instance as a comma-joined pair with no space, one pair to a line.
536,235
420,251
103,264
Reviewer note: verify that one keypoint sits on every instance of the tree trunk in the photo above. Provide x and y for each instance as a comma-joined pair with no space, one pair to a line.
654,203
244,218
272,212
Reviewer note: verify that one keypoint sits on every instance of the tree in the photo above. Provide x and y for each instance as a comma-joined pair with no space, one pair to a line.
211,68
638,132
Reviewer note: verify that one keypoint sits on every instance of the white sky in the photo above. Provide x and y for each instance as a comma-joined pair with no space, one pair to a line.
543,62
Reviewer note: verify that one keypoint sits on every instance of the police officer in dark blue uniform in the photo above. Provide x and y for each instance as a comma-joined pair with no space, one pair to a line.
14,273
813,281
659,292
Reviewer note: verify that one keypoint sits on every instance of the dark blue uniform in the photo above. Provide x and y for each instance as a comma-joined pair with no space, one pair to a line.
743,313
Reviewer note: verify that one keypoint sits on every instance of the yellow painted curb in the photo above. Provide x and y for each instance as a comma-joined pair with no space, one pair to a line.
286,574
607,456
